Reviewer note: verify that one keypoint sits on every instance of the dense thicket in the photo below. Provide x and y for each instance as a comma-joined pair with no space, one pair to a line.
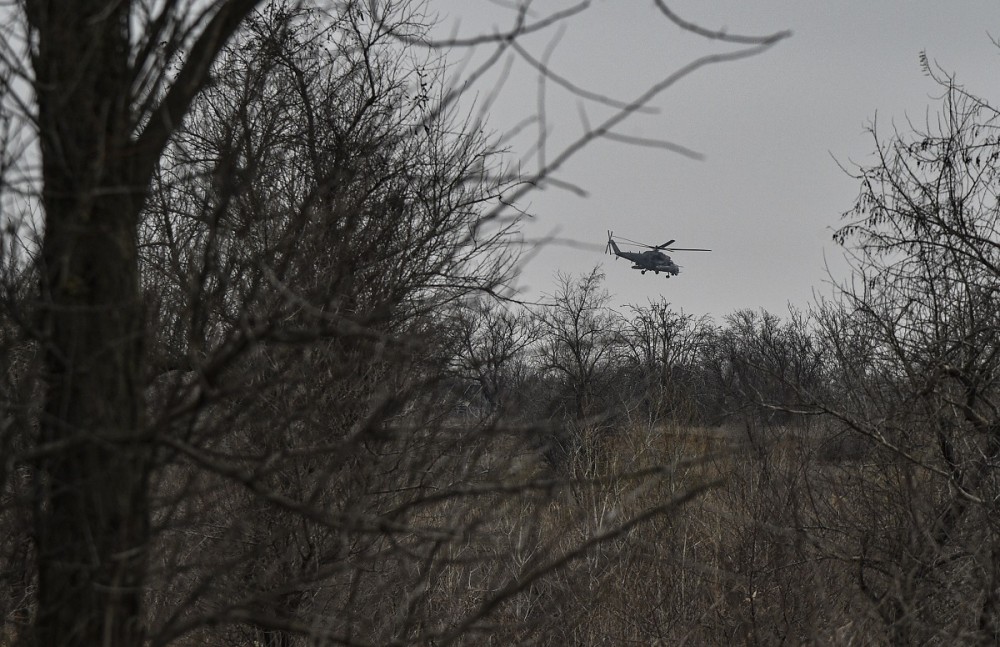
272,393
249,293
262,382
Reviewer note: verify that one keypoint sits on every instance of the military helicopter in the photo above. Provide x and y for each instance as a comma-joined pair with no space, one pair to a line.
653,260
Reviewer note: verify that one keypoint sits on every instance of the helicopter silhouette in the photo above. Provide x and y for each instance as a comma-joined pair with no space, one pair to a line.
653,260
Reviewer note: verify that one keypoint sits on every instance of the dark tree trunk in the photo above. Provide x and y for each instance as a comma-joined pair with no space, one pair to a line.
92,513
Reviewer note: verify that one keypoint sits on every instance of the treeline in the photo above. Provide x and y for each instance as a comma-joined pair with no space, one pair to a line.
574,360
261,383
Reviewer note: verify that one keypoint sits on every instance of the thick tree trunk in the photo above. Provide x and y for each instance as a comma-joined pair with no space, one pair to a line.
92,516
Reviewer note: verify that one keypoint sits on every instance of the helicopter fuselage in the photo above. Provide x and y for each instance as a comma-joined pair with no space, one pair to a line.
652,261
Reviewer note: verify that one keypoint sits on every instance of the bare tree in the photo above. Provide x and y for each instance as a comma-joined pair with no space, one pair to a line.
664,348
105,108
921,355
304,308
493,341
767,367
578,338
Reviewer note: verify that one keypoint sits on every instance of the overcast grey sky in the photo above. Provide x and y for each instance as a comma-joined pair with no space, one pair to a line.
771,128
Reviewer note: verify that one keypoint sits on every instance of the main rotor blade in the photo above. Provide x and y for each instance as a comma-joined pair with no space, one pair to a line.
664,246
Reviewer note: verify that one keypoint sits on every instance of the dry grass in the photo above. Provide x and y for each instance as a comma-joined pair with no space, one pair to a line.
500,548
